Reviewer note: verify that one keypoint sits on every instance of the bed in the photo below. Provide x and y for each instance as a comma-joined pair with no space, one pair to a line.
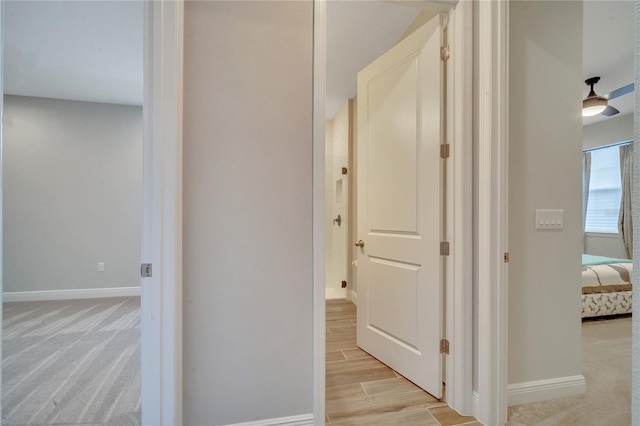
606,286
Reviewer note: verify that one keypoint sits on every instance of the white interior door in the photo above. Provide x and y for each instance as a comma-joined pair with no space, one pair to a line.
400,221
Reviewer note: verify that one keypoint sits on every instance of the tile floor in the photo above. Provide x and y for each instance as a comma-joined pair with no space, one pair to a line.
363,391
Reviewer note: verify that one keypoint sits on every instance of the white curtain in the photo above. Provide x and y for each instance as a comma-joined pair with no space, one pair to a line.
586,178
625,218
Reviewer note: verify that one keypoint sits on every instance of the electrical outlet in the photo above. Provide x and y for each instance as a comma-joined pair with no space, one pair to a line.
100,266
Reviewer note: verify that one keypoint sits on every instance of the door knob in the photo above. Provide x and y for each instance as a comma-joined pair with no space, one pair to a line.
359,243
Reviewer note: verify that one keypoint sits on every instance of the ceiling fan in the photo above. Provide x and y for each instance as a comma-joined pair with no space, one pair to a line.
594,104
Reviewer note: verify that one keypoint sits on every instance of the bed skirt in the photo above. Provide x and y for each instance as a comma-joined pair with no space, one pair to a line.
602,304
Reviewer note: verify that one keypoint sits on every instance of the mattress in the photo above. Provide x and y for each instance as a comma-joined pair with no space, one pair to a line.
606,286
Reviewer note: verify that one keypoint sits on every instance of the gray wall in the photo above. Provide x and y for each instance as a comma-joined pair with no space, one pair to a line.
247,318
72,191
545,144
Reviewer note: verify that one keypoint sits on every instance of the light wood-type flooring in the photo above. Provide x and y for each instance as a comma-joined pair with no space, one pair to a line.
363,391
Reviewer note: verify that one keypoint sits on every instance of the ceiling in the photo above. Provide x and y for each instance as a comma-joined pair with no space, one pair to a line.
360,31
92,50
78,50
607,49
357,33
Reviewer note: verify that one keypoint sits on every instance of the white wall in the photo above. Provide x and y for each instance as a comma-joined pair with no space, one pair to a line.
611,130
72,194
609,245
545,143
247,318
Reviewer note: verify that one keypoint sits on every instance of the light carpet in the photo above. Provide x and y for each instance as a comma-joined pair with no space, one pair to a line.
71,362
606,366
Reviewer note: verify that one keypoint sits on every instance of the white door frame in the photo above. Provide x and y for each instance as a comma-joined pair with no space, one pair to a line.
635,325
459,298
492,163
161,330
318,118
459,273
1,182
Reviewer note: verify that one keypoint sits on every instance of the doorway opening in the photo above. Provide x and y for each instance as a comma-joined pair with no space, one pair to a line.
72,196
333,175
607,267
354,40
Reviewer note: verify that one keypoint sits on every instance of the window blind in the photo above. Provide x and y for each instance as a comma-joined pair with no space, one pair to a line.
604,191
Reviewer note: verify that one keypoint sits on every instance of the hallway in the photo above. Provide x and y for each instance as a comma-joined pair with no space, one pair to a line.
360,390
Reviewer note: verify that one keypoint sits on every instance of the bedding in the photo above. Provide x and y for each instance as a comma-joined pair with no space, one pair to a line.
592,259
606,286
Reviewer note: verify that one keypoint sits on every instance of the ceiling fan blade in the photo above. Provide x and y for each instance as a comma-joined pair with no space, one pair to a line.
609,111
619,92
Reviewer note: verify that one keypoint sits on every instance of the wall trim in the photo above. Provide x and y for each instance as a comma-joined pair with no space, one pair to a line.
602,234
301,420
540,390
1,183
353,296
492,162
459,269
475,404
318,147
635,321
161,300
86,293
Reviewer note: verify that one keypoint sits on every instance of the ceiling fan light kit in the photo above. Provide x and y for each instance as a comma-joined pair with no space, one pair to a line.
594,104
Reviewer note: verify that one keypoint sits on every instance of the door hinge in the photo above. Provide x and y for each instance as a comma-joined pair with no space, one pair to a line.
444,248
146,270
445,53
444,346
506,257
445,150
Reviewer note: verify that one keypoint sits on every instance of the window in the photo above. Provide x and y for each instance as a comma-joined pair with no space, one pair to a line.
603,204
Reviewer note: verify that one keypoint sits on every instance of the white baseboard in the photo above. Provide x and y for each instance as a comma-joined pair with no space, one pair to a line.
90,293
475,404
301,420
353,296
335,293
540,390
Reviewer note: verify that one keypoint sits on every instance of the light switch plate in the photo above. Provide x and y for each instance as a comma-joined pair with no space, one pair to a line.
549,219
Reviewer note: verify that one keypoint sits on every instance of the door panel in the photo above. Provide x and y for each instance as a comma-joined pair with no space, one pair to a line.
393,118
400,270
400,298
